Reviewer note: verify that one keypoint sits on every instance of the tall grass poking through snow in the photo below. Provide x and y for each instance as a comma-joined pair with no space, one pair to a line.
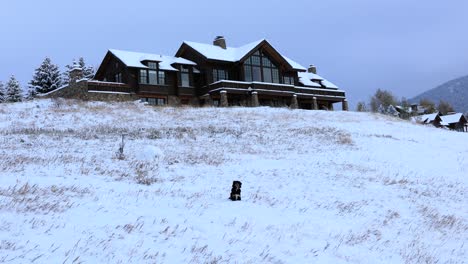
318,187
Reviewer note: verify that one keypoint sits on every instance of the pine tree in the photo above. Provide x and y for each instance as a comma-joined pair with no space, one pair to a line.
46,78
361,107
88,71
382,110
2,93
382,97
13,90
392,111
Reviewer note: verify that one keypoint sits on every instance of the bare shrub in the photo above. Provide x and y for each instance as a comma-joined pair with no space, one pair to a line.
344,139
391,215
147,165
146,173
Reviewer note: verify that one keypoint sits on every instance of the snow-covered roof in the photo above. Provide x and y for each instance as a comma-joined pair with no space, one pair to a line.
135,59
294,64
306,79
232,54
426,119
450,119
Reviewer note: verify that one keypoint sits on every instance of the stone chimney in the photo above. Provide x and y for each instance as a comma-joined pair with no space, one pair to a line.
312,69
220,42
76,73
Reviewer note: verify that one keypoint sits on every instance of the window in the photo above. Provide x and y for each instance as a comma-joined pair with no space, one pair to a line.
275,76
185,76
219,74
144,76
153,75
161,77
267,75
259,68
118,77
248,73
288,80
154,101
160,101
152,65
256,74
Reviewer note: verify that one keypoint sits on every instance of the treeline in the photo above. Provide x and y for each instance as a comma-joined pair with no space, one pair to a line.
46,78
385,102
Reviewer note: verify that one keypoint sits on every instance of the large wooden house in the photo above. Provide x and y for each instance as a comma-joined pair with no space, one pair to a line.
215,74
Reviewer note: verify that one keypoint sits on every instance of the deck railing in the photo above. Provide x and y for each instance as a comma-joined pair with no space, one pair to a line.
108,87
271,87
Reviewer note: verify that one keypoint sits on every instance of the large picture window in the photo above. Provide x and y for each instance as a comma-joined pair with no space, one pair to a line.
259,68
153,75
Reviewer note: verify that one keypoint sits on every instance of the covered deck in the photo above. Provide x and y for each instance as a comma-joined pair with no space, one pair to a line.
235,93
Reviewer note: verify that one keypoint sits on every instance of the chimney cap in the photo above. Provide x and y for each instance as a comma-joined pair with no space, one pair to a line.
312,69
219,37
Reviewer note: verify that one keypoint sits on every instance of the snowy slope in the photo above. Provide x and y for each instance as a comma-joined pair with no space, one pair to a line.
318,187
454,92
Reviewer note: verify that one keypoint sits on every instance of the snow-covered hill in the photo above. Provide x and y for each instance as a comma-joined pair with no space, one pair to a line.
454,92
318,187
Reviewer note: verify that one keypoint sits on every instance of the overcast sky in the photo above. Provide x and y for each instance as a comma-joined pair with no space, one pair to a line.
403,46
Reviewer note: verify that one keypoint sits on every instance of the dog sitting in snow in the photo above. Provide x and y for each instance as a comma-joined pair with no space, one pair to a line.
236,191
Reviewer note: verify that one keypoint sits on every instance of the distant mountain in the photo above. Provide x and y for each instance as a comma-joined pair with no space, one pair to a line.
455,92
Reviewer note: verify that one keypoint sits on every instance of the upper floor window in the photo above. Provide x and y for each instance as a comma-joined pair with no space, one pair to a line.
118,77
219,74
259,68
288,80
153,75
152,65
185,76
144,76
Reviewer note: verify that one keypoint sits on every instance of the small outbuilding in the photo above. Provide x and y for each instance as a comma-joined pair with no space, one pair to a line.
456,121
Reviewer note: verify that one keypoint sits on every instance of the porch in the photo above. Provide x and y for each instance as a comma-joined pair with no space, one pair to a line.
233,93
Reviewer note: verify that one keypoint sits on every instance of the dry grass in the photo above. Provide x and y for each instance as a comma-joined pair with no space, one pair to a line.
441,222
30,198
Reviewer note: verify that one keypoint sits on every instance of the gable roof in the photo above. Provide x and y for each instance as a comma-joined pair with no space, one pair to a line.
450,119
306,79
231,54
427,118
135,59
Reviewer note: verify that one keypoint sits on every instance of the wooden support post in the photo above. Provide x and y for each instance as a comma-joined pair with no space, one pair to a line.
255,102
314,102
345,105
294,103
224,99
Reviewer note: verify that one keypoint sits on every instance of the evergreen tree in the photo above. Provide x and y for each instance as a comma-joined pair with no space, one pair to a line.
46,78
382,97
382,110
88,71
2,93
361,107
13,90
392,111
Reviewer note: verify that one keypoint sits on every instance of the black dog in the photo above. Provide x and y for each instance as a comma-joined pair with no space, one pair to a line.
236,191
